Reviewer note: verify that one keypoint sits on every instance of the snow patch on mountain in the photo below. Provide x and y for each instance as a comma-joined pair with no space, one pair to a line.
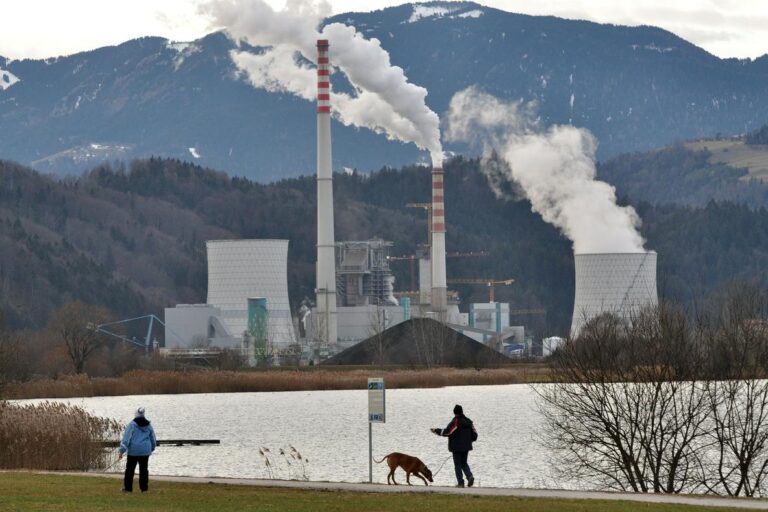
437,11
652,47
179,46
86,154
7,79
183,50
194,153
429,11
475,13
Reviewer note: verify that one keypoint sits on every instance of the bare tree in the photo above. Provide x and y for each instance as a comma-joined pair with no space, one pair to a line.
74,322
429,338
378,322
628,408
15,363
737,340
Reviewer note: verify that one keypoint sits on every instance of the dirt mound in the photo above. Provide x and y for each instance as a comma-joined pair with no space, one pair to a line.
420,342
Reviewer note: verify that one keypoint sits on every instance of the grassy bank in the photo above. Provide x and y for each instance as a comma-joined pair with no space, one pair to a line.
146,382
28,492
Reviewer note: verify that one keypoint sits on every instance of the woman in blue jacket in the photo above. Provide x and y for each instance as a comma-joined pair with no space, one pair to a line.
139,442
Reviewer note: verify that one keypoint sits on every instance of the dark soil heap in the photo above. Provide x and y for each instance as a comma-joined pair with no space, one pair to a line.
420,342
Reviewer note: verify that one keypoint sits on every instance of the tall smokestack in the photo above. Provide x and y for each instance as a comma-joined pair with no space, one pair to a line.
326,247
439,286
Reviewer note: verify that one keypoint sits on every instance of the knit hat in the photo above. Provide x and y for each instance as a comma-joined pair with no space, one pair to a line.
140,412
458,410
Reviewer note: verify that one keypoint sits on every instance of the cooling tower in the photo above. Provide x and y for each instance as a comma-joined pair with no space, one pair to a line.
619,283
326,245
239,270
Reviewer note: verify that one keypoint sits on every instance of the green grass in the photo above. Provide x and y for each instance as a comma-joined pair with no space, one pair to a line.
736,154
33,492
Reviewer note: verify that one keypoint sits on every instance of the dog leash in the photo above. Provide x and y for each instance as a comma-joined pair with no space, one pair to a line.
441,465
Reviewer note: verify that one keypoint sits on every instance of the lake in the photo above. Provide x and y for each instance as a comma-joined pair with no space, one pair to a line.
330,429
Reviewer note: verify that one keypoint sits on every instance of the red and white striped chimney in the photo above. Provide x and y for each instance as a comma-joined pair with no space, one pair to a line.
439,281
326,247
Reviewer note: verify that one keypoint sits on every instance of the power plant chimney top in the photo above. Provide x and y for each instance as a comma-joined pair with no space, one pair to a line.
322,44
612,253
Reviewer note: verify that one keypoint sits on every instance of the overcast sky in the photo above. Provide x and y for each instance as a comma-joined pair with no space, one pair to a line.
46,28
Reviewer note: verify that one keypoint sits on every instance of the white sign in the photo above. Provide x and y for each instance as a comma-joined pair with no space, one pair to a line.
376,403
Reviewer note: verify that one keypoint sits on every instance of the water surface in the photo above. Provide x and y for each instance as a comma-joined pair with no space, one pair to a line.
329,428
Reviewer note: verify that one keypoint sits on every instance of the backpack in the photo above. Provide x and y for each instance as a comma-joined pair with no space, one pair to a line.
474,434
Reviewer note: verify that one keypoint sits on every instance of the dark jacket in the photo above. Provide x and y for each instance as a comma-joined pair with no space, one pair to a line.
459,433
139,438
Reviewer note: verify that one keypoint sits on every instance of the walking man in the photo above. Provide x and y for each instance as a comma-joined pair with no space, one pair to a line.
461,434
139,442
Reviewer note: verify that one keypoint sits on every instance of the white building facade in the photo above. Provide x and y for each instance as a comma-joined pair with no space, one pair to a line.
242,269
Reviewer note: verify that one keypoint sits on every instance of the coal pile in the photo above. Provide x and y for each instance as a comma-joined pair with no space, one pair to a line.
420,342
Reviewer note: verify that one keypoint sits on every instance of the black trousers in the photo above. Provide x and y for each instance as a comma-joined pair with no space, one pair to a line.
130,468
460,465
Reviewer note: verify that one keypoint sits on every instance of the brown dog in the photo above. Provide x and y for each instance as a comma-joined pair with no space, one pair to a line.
411,466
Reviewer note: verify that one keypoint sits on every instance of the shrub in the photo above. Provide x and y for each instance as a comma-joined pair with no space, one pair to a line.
53,436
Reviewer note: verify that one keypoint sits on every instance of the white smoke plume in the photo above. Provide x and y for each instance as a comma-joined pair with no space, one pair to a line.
555,167
384,102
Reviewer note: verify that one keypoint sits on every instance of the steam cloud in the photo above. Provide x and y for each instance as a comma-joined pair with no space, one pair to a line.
555,167
385,101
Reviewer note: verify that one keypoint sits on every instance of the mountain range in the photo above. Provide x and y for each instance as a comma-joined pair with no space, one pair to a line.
635,88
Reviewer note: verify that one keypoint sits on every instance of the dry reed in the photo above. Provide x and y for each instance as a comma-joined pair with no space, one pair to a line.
53,436
144,382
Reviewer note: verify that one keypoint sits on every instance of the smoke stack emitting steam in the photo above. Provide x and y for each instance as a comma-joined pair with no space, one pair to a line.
385,101
326,243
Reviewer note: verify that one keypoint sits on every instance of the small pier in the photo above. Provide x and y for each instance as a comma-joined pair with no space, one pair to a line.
168,442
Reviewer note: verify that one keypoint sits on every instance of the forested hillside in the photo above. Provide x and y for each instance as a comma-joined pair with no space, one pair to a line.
133,238
695,172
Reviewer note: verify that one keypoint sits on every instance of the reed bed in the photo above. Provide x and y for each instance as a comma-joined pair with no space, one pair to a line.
53,436
146,382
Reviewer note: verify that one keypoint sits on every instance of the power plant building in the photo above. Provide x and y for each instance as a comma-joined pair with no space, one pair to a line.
365,290
239,270
363,276
616,283
239,273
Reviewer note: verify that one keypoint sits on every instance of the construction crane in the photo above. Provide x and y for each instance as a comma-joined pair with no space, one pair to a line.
490,283
146,344
412,258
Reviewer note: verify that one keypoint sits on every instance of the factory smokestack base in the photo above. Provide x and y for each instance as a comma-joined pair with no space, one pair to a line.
326,246
439,281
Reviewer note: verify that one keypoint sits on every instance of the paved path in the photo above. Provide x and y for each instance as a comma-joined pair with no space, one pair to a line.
698,501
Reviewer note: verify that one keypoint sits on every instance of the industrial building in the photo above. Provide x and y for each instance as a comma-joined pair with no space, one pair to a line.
366,304
363,276
617,283
239,273
247,306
